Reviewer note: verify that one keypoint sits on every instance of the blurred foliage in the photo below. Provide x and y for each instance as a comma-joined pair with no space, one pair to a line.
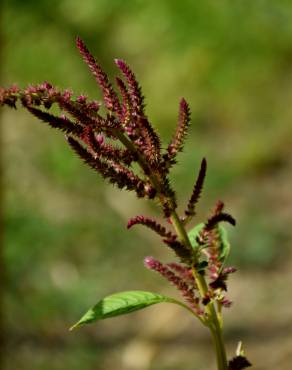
65,240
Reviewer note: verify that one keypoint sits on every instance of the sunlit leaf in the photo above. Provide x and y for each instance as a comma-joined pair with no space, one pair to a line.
122,303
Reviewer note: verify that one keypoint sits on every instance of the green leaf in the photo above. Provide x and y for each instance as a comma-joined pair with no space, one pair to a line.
224,245
122,303
194,233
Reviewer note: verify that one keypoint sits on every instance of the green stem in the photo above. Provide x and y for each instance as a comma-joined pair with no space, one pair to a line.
212,320
220,349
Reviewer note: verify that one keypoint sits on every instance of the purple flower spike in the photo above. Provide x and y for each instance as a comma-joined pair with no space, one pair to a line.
134,88
152,224
197,189
110,97
176,145
186,291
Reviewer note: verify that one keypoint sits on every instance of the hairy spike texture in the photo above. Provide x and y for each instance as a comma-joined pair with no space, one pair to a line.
152,140
61,123
110,97
98,165
169,199
149,141
214,220
117,174
184,272
135,91
152,224
186,291
177,142
86,118
125,177
43,94
190,211
180,250
109,152
126,102
46,95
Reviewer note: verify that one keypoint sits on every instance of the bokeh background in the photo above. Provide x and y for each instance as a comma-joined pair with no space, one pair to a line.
65,241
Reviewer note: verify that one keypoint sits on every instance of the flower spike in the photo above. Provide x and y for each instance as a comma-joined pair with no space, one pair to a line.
135,91
126,102
186,291
110,97
107,151
190,211
179,249
177,142
117,174
214,220
152,224
61,123
149,139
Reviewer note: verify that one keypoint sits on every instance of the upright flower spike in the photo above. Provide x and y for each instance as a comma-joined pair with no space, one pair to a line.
126,104
150,142
177,142
190,211
213,251
110,97
135,92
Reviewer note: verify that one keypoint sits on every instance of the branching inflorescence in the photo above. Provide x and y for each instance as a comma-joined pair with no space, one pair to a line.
112,144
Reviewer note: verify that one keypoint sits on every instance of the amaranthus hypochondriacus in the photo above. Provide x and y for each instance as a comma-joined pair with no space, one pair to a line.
111,144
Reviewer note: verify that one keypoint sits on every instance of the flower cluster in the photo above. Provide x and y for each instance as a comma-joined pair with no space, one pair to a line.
118,142
125,149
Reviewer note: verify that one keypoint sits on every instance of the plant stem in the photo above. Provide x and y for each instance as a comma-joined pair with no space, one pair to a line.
220,349
212,321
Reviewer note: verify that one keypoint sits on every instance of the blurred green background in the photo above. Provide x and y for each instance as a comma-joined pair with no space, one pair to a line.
66,244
